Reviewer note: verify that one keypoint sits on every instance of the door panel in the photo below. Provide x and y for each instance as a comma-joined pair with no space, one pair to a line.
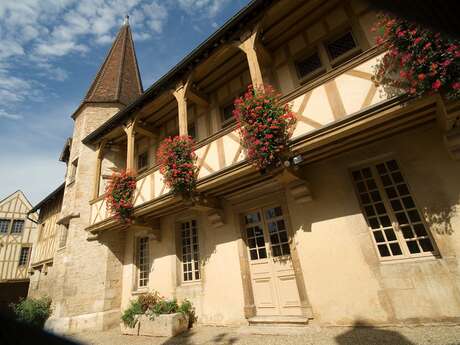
272,275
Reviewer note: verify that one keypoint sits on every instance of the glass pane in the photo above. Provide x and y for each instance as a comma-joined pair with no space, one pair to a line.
407,232
253,254
395,248
286,249
392,165
276,250
274,239
413,247
375,195
381,168
367,173
262,253
390,234
420,230
426,245
378,236
383,250
374,223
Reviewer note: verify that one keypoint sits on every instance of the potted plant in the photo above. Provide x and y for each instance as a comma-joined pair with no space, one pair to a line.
418,60
119,195
177,159
265,127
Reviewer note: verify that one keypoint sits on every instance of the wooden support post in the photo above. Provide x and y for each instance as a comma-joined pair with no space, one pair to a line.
248,46
180,93
130,138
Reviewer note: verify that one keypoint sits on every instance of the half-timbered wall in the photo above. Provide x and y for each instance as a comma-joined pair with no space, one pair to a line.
15,207
48,232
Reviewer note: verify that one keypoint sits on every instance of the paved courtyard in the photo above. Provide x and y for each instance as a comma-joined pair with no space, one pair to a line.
420,335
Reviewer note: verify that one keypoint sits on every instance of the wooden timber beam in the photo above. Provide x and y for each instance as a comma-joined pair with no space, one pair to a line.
197,97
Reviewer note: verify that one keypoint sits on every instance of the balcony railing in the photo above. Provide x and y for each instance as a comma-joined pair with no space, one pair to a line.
332,97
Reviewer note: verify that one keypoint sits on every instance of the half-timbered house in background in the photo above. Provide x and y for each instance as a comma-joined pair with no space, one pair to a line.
364,226
17,236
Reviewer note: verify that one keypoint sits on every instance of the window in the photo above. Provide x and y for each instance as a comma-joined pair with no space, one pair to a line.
63,236
340,46
142,262
73,171
4,226
276,234
18,226
142,161
397,228
227,115
309,65
328,54
24,256
190,251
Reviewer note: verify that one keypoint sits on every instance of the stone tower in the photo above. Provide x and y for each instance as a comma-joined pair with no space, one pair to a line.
87,274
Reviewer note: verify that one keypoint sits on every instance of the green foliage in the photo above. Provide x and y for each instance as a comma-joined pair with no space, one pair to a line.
153,305
149,300
32,311
165,307
186,308
129,315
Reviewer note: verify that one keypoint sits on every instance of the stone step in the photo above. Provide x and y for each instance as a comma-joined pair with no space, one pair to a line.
281,321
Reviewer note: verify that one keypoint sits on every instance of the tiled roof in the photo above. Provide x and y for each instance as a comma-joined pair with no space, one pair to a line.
118,79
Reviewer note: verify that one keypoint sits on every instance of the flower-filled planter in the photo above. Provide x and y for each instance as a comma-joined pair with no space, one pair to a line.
119,195
153,315
418,60
177,159
265,126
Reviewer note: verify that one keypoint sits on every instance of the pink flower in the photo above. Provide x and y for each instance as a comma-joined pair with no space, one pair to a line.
436,85
456,86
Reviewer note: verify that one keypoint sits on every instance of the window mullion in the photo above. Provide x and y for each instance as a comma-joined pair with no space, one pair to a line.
390,213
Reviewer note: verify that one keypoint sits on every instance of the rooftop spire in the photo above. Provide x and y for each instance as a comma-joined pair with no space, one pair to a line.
118,79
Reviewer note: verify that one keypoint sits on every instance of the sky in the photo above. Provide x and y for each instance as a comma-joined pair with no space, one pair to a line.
50,53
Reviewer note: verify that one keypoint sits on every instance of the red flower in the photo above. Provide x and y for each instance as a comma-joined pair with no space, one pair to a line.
421,76
456,85
436,85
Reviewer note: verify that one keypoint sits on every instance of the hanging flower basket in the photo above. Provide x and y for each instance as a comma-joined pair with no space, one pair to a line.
119,194
265,126
177,160
418,60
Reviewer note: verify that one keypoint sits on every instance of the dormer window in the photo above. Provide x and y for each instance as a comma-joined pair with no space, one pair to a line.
343,46
309,65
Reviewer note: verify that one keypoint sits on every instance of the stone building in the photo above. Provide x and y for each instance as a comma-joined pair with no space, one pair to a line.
17,236
363,227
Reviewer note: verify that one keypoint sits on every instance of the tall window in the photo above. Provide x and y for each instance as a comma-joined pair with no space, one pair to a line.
18,226
4,226
63,235
190,251
24,256
73,170
142,262
397,228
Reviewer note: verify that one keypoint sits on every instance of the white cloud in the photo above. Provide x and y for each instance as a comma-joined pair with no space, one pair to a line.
6,115
207,7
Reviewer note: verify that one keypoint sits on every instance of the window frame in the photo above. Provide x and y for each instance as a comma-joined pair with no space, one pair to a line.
146,166
138,271
29,250
181,248
64,229
16,221
8,226
406,255
320,47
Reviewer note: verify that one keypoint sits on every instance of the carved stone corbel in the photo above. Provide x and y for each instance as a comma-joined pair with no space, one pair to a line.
203,203
216,218
295,184
151,228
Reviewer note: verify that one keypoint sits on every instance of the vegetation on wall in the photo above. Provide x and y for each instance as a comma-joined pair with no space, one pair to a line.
119,195
265,126
153,305
32,311
177,159
418,60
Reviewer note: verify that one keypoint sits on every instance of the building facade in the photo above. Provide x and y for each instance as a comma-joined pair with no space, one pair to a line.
362,227
17,236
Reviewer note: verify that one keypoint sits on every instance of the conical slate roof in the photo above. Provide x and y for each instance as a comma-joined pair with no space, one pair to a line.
118,79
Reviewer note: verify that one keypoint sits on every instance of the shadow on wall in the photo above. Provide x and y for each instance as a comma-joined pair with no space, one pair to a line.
363,333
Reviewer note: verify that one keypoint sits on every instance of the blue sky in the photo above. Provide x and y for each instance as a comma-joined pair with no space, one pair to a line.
50,52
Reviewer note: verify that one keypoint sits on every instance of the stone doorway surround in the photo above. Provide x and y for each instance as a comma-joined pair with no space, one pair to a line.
260,196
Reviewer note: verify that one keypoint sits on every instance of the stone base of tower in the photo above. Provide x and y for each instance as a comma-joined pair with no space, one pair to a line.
95,321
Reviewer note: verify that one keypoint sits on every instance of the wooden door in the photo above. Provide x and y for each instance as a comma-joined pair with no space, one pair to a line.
272,274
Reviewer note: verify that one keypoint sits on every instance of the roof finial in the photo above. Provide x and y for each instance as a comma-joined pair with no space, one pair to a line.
126,21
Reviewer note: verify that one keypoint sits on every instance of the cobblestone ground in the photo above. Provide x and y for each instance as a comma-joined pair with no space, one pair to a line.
311,335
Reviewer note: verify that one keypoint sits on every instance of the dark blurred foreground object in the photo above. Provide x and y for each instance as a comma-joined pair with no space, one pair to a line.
440,15
13,332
